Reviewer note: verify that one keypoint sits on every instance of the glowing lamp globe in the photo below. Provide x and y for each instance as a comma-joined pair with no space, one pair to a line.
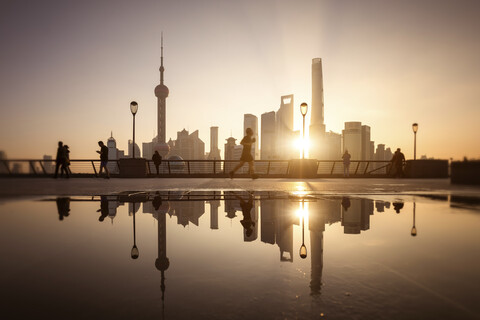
415,127
304,108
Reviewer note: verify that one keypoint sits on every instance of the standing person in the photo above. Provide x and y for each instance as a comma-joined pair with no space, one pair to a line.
246,156
103,159
399,160
157,160
60,159
66,165
346,164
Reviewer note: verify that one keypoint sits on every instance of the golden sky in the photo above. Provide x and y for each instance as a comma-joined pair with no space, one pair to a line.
71,68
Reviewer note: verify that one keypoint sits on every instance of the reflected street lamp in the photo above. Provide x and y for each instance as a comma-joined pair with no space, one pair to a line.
303,248
134,253
415,129
303,110
413,232
133,109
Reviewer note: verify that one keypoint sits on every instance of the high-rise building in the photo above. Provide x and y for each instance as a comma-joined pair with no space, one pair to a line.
284,129
352,139
229,153
214,153
188,146
366,145
318,148
251,121
267,151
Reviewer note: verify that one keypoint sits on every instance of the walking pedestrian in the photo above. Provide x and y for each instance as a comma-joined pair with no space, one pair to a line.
346,164
66,165
60,158
397,163
246,156
157,160
103,159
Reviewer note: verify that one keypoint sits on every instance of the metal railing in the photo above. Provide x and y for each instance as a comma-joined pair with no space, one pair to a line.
196,168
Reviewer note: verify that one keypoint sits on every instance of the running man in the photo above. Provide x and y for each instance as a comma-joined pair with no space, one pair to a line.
246,156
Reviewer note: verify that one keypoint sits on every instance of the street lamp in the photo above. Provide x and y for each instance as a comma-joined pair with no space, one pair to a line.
133,109
303,110
415,129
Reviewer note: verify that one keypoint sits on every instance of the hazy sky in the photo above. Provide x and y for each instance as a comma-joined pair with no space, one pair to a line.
69,69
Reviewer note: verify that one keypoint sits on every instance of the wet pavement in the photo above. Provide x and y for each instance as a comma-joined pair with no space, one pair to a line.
297,252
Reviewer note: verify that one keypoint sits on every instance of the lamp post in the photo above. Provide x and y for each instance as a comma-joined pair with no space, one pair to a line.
303,110
415,129
303,248
133,109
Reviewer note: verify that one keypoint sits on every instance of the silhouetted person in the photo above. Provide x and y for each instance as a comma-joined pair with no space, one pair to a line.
397,206
60,158
103,159
66,165
63,207
103,208
397,163
157,160
246,156
247,222
346,203
346,164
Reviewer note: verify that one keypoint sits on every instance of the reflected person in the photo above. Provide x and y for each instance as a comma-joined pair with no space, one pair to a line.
247,221
103,208
63,207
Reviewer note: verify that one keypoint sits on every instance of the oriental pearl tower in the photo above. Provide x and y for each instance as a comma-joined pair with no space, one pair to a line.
161,92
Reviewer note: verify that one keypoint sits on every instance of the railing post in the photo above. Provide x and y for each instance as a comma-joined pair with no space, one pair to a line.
32,166
188,166
366,167
41,166
358,165
94,169
288,167
214,167
268,168
148,166
224,164
333,167
169,172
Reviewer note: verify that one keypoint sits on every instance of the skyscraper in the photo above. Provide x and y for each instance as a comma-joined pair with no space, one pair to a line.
267,151
317,122
284,128
214,153
251,121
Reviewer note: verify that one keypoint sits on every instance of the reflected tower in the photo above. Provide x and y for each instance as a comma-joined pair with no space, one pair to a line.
161,92
162,263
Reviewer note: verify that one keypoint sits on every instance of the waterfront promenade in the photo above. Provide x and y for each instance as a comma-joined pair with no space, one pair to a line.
19,187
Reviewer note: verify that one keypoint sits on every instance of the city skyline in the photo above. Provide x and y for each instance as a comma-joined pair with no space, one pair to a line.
79,78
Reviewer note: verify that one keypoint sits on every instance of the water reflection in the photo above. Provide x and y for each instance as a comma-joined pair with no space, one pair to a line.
279,215
63,207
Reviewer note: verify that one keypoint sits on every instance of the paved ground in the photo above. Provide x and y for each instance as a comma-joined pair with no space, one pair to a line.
18,187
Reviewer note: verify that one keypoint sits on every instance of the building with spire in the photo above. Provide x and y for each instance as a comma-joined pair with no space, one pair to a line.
161,92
